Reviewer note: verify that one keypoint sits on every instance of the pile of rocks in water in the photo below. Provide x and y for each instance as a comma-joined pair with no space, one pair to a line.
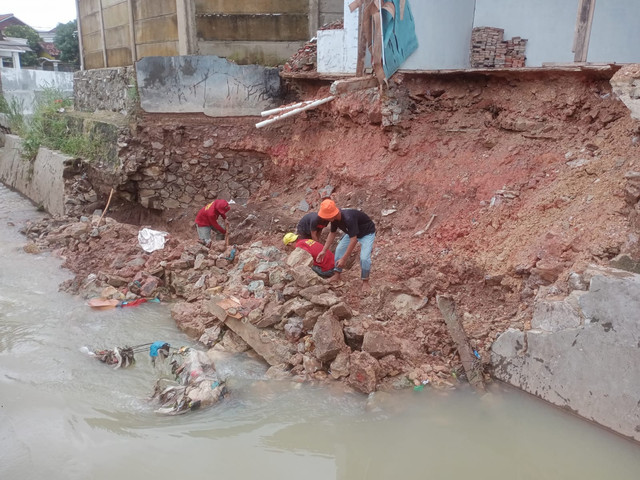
263,300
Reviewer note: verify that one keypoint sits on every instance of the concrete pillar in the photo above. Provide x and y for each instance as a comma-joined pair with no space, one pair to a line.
314,18
16,60
186,13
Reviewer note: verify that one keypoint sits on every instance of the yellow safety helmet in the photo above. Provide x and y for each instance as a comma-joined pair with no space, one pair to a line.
289,238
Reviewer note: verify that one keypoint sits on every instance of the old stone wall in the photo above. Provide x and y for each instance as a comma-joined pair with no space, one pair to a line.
108,89
177,167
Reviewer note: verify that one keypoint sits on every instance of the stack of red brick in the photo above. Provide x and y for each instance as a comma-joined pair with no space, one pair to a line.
490,50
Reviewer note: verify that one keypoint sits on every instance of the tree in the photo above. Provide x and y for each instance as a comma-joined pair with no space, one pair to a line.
66,40
28,59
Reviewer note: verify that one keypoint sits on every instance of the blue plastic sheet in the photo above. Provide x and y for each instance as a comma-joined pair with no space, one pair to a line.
398,36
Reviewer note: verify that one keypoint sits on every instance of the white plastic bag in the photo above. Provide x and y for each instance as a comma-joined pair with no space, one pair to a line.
151,240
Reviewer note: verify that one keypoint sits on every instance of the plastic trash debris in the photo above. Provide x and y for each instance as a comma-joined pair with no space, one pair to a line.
151,240
475,352
232,255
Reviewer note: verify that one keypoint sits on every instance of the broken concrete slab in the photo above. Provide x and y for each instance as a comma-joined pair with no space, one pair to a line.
555,316
267,343
591,369
207,84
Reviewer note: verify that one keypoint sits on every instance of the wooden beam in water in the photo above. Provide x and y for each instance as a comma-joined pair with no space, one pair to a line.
470,363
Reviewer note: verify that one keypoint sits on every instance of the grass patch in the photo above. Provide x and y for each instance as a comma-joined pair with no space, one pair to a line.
50,127
13,108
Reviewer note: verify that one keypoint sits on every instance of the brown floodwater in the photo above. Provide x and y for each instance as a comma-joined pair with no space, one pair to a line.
64,415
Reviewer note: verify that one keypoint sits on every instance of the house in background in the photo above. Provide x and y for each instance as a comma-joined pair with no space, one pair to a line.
8,20
48,54
10,50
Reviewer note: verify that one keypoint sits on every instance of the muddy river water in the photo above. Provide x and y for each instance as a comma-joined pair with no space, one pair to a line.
64,415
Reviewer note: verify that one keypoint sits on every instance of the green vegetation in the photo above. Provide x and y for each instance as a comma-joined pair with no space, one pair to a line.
27,59
66,40
50,127
13,109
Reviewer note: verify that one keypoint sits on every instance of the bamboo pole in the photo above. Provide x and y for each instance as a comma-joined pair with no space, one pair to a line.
105,208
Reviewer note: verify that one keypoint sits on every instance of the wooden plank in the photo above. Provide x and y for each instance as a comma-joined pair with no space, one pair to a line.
583,30
230,7
470,363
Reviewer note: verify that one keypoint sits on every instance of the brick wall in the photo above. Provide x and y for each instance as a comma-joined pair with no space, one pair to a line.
490,50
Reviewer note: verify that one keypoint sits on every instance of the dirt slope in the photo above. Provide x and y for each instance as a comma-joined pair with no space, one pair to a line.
524,172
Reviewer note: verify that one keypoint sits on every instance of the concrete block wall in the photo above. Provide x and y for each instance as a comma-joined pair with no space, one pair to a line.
41,180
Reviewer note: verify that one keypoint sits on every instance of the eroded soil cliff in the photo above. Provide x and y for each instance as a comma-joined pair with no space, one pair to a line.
530,177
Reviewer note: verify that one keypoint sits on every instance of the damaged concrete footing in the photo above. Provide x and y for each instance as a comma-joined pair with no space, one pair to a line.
582,353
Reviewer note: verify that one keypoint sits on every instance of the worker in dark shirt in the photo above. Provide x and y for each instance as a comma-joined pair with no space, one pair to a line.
358,228
310,226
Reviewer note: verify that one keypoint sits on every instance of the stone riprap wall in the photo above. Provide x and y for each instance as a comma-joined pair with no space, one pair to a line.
24,85
109,89
206,84
179,167
582,353
53,180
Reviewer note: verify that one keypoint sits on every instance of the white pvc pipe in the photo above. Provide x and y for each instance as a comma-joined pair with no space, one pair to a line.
294,112
267,113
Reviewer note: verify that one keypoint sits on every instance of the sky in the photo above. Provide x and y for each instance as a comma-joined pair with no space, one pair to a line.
40,14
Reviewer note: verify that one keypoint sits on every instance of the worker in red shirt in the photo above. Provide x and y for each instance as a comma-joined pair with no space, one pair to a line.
323,268
207,218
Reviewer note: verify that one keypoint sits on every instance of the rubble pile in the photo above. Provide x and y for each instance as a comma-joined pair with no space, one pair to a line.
305,59
263,300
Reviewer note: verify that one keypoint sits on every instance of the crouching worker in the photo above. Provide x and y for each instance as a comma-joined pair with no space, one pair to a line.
324,267
358,228
207,219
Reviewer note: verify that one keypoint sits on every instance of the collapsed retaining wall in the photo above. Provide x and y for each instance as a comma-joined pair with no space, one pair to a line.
52,179
582,353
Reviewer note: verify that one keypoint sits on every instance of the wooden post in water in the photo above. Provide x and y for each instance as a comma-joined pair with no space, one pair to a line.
470,364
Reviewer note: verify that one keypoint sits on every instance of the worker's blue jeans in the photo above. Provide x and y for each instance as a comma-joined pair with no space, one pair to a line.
366,246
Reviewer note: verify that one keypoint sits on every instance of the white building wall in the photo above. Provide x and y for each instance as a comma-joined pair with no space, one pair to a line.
443,28
615,36
548,25
24,84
